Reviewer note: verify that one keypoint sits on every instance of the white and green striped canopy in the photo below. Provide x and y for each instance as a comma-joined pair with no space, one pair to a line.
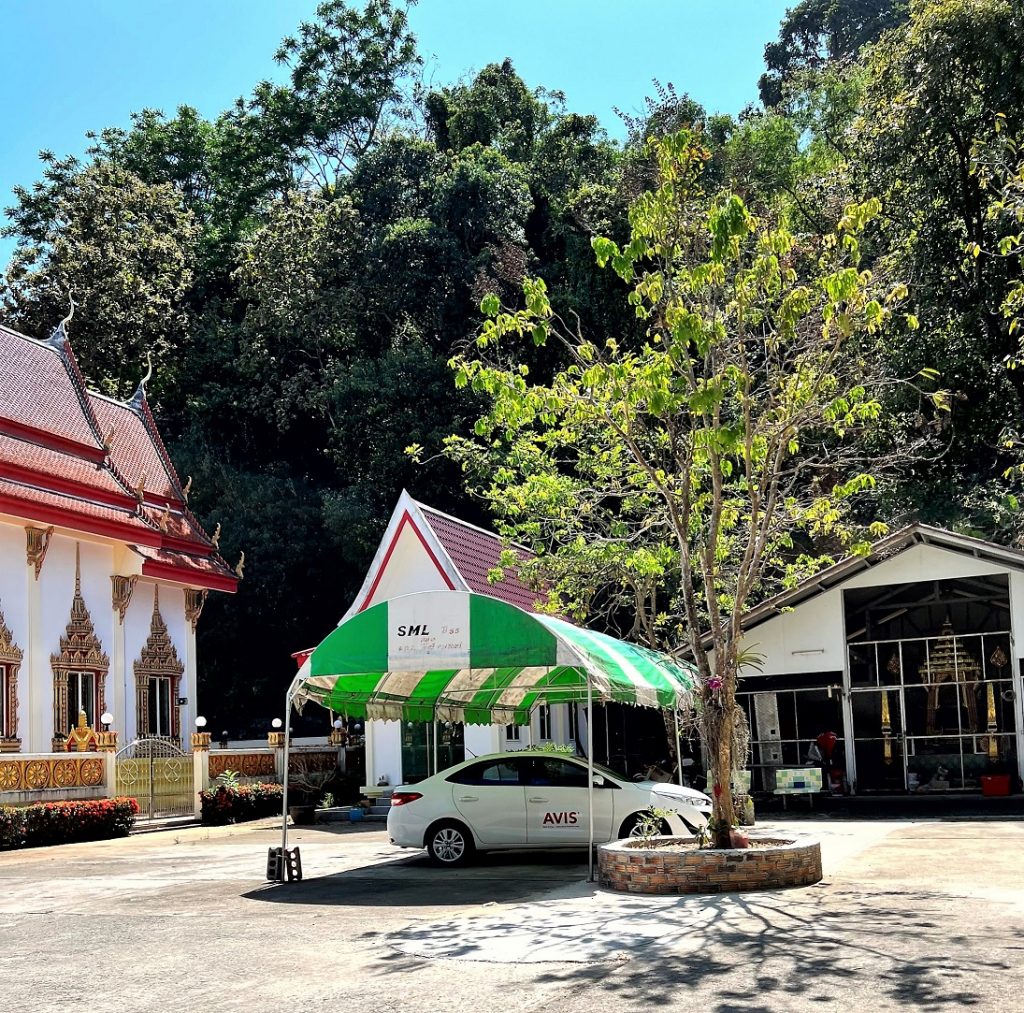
457,656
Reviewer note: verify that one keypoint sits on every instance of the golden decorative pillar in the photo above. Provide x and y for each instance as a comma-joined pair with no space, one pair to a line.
106,742
275,740
200,741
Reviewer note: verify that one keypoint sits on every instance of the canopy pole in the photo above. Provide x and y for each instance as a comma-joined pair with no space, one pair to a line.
590,777
434,723
679,755
289,696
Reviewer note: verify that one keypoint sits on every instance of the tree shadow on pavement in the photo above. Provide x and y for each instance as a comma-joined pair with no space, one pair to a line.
765,951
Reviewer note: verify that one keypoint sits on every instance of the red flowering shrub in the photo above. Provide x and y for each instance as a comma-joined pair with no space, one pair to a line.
66,822
238,803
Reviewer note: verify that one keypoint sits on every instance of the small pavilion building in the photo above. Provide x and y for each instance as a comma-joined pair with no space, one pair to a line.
424,549
905,664
104,570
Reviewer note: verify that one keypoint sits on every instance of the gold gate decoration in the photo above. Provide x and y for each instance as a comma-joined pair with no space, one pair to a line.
158,775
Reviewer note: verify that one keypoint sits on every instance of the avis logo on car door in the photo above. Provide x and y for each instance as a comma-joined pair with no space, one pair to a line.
564,819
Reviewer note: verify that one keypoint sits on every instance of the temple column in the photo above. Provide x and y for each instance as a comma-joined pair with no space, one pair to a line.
36,673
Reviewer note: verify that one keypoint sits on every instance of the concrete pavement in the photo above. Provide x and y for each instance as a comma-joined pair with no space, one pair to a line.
926,915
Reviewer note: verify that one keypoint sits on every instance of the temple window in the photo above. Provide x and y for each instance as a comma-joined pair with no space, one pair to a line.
160,707
81,697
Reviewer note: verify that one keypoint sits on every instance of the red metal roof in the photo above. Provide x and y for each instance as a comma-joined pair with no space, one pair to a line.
475,553
74,458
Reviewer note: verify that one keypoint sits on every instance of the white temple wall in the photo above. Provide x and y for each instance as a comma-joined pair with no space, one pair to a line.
811,638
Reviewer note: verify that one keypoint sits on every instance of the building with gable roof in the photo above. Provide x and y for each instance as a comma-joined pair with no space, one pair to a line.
424,549
104,570
904,663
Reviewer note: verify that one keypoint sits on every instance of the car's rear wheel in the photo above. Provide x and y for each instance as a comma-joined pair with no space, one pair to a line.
449,844
631,827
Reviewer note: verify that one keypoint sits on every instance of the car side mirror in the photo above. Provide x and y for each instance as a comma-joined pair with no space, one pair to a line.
598,781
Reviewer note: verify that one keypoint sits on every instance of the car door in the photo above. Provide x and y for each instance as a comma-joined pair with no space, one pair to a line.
556,803
490,796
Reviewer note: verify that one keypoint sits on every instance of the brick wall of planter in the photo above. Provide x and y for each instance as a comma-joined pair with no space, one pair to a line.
654,870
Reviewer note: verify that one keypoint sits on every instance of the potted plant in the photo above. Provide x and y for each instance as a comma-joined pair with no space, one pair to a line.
308,785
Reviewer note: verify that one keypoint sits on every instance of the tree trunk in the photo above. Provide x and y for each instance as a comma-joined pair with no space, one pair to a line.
720,716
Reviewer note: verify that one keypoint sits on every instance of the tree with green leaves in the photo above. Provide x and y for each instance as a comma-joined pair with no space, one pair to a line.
720,457
124,251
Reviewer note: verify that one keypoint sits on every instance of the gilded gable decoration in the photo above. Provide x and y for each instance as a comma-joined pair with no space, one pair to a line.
37,541
10,657
194,602
159,659
121,594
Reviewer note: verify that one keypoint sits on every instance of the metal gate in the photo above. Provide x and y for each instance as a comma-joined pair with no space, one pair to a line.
159,776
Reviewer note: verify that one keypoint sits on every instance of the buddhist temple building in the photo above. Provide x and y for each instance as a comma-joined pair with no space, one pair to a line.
104,570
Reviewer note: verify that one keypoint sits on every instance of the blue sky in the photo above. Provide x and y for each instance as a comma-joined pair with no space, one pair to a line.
69,66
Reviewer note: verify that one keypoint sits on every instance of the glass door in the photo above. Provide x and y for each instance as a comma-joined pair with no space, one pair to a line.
879,739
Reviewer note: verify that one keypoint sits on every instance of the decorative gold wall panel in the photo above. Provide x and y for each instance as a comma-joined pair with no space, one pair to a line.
41,774
246,764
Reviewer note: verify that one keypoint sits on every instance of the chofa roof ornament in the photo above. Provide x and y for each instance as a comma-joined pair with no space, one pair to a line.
58,339
139,397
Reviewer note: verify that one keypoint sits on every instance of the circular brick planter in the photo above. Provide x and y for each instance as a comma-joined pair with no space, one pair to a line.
623,865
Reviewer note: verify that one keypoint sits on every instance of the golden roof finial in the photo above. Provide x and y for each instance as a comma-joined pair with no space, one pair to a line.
215,538
187,488
240,567
140,487
165,518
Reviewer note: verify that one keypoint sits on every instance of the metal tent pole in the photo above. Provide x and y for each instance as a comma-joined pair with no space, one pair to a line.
590,777
284,801
434,723
679,754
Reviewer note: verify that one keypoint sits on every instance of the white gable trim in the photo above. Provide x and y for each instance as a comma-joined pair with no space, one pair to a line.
407,511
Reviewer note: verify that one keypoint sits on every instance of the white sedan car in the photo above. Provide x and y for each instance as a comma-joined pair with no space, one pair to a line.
530,799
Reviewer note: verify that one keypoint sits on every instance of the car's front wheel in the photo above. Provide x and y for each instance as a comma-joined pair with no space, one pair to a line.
449,844
631,827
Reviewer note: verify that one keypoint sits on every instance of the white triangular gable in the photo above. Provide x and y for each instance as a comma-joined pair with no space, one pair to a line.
410,558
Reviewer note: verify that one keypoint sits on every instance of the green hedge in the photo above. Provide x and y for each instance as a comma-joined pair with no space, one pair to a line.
236,804
66,822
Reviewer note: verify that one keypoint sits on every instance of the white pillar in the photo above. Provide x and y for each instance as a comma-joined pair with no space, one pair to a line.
36,675
188,712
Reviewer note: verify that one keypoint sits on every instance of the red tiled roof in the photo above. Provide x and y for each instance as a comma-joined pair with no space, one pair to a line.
132,451
55,469
75,507
475,553
19,457
206,565
38,391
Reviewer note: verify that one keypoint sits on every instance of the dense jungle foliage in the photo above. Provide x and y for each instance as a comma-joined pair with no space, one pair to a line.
303,266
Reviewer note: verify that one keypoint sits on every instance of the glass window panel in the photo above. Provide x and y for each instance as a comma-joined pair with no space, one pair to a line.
557,774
